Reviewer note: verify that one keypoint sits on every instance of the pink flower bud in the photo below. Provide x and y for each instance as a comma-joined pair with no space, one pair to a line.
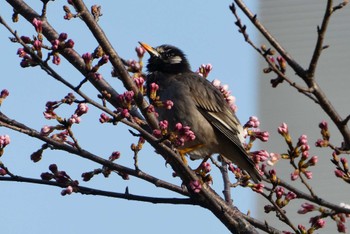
290,196
323,125
69,44
306,207
294,175
283,129
157,133
140,51
21,52
87,58
259,188
56,59
37,25
37,45
163,125
168,104
195,186
26,39
339,173
62,36
4,93
104,118
308,174
82,109
114,156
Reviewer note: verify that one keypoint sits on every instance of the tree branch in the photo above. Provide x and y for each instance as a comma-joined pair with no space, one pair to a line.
92,191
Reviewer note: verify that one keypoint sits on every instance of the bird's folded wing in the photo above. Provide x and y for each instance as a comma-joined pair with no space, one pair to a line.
212,105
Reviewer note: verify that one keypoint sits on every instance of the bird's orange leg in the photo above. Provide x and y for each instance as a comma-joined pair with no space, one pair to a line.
185,151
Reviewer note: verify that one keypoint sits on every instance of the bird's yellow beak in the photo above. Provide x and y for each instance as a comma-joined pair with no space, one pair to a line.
149,49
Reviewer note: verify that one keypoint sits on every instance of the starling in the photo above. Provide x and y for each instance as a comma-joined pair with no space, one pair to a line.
198,104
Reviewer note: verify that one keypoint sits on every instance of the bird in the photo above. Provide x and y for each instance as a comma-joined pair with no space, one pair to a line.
199,105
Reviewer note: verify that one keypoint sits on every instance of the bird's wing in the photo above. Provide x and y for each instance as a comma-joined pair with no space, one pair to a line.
211,103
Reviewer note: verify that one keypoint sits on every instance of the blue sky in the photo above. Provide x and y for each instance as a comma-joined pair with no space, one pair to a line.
205,31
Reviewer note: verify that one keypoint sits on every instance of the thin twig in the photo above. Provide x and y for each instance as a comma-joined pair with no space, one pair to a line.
92,191
319,44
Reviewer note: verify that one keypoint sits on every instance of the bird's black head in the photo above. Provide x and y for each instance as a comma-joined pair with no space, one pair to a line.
166,58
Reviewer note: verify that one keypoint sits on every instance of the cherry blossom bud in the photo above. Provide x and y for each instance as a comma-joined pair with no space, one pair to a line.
341,227
283,129
139,81
313,161
178,127
97,76
318,223
306,207
26,39
63,37
216,83
114,156
253,122
302,229
46,176
74,119
153,92
3,172
4,141
56,59
82,109
37,45
168,104
87,57
125,113
323,125
21,52
321,143
259,188
279,192
206,167
46,130
69,44
36,156
38,25
260,156
273,176
339,173
104,118
103,60
344,161
302,140
308,174
294,175
55,44
163,125
87,176
290,196
282,62
274,157
53,168
4,93
195,186
140,51
157,133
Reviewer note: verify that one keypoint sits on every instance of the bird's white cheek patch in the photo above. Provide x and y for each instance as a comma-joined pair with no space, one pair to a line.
175,59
